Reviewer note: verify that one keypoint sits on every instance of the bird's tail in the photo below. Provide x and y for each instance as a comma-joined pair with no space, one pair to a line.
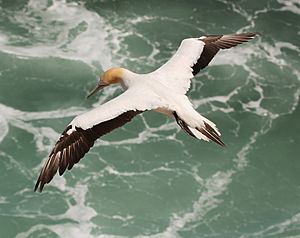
204,129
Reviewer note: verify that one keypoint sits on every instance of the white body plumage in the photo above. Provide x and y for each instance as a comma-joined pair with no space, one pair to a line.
163,90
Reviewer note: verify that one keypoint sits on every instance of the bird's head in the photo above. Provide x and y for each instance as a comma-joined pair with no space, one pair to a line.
111,76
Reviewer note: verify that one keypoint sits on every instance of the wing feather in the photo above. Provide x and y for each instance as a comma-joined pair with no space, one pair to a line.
193,55
213,43
80,135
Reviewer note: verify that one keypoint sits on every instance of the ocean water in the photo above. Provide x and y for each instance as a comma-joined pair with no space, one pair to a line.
149,179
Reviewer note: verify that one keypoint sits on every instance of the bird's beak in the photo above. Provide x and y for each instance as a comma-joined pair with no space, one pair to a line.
98,88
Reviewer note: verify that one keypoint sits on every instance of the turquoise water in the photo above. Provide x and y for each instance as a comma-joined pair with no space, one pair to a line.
149,179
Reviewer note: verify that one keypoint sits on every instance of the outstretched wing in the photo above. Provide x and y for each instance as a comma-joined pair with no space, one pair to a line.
81,133
193,55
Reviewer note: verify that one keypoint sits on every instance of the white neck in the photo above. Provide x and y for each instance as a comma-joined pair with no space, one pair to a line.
128,79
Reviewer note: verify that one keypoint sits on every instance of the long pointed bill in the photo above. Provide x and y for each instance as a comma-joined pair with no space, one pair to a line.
95,90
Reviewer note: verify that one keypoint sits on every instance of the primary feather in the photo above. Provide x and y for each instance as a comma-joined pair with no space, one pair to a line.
162,90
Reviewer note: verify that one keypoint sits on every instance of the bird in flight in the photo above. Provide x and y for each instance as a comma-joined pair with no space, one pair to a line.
163,90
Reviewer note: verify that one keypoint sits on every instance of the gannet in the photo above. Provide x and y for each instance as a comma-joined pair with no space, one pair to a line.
163,90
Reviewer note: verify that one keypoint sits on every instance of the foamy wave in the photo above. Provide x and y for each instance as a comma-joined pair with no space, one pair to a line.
89,45
291,5
236,56
44,136
3,128
78,211
208,200
73,32
291,225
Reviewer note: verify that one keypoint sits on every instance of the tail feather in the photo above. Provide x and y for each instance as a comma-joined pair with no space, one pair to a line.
198,134
206,131
183,125
211,133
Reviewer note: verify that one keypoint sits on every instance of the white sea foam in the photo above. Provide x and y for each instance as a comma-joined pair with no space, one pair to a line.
236,56
79,34
208,200
213,187
3,200
290,5
3,128
72,15
44,136
78,212
274,52
279,229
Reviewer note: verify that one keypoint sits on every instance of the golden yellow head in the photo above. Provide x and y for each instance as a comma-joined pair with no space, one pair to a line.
111,76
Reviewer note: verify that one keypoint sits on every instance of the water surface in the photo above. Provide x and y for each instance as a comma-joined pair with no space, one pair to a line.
149,179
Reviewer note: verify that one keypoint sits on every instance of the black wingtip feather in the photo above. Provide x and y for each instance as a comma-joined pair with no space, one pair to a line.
70,148
37,183
211,134
213,43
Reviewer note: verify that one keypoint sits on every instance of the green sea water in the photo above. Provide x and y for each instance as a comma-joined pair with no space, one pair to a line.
149,179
